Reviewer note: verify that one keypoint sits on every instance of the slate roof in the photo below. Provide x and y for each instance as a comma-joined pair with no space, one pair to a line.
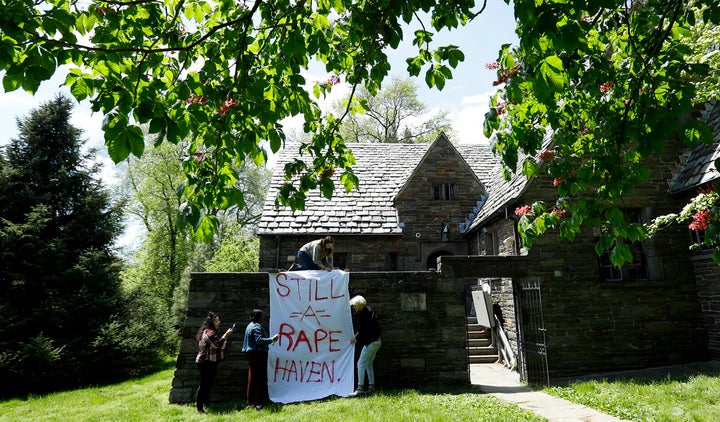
382,170
697,166
503,193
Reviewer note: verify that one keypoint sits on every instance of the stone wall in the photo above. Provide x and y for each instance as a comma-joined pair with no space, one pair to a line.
596,326
707,275
423,340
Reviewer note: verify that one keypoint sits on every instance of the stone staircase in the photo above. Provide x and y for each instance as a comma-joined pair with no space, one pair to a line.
479,343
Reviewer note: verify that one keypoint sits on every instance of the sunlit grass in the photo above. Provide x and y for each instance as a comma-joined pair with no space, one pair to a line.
146,399
676,399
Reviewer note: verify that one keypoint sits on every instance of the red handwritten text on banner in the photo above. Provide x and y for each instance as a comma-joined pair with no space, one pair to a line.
313,357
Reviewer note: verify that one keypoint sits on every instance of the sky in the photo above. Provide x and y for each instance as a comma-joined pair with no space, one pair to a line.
465,97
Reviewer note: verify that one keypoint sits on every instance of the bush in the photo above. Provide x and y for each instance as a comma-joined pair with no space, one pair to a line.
141,337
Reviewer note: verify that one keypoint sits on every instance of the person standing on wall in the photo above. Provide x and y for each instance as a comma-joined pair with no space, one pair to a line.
212,347
367,335
315,255
255,347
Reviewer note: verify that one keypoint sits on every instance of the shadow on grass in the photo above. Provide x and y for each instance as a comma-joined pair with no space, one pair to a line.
165,364
227,408
650,376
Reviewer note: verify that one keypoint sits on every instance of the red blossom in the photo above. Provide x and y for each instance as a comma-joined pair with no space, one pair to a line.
707,189
223,110
492,65
193,99
559,213
607,86
334,80
506,75
327,173
547,155
524,210
557,181
701,220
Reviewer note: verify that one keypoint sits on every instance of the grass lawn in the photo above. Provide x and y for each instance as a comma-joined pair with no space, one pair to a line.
146,399
677,399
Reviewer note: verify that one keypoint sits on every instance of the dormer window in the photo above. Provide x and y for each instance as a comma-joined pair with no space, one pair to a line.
445,192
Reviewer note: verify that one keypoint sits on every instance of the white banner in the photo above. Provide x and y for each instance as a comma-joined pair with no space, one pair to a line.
313,358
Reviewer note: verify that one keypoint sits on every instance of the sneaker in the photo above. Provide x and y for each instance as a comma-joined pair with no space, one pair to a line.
357,393
259,407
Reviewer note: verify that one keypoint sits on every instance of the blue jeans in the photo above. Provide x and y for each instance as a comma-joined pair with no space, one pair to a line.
306,262
365,363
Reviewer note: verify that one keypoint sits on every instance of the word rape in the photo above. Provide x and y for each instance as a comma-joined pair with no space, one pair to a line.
313,358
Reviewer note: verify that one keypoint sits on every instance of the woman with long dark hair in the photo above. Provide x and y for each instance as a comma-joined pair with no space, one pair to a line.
212,347
255,346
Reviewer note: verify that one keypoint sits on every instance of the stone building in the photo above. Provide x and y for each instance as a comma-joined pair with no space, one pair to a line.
408,209
569,312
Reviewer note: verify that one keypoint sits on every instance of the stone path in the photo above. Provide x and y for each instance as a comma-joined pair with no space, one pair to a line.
499,381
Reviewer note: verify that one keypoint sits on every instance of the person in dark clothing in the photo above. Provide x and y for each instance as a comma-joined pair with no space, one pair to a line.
255,347
212,348
367,335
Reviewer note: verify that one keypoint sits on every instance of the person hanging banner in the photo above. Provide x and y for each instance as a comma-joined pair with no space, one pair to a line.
313,357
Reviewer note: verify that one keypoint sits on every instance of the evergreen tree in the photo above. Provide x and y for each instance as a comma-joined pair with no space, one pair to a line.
59,281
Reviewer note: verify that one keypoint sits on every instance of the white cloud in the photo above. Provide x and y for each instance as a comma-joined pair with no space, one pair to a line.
469,117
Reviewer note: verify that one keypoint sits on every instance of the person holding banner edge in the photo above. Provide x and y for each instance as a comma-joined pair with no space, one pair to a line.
255,347
368,335
212,348
315,255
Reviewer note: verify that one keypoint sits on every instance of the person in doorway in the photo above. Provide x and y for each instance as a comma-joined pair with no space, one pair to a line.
255,347
315,255
212,347
368,336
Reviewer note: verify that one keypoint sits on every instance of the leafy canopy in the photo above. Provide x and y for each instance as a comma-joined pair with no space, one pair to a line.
221,73
606,84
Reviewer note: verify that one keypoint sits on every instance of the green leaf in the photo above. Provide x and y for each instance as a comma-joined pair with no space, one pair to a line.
552,72
695,131
80,89
188,214
11,81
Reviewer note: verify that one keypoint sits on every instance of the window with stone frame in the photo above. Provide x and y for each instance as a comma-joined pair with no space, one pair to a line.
445,192
630,271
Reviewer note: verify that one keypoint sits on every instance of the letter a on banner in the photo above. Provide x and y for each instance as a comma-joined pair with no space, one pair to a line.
313,357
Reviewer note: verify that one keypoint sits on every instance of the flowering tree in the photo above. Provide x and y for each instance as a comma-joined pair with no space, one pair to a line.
704,216
609,79
223,74
610,82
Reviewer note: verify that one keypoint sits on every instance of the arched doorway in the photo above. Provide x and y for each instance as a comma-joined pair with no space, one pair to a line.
431,262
